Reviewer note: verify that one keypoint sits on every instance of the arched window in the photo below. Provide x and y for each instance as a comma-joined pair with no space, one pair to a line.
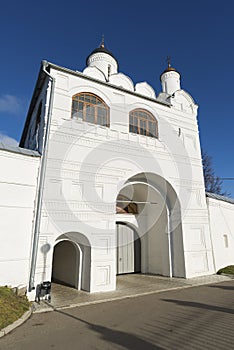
143,122
90,108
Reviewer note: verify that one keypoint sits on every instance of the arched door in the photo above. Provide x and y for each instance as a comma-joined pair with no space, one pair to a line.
128,250
66,262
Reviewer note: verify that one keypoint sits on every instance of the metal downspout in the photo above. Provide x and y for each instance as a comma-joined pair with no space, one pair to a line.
169,243
41,183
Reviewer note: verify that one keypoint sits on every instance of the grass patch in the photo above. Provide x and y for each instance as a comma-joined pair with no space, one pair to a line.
229,270
12,306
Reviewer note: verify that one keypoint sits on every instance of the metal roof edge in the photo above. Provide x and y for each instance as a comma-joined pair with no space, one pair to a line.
39,83
19,150
220,197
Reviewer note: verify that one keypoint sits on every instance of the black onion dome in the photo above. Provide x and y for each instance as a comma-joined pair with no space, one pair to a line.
101,49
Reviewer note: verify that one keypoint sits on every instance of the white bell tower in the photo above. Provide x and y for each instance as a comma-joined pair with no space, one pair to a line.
170,80
104,60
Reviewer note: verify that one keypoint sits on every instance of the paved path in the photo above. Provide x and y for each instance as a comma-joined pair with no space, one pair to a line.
199,317
127,286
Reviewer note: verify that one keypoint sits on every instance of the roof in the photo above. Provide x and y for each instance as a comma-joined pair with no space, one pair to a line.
19,150
219,197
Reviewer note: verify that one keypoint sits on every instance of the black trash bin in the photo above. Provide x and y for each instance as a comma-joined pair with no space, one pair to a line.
43,291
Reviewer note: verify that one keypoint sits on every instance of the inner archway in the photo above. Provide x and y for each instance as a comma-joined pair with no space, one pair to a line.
66,264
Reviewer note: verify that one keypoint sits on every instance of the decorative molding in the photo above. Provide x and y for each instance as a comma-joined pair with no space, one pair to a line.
102,245
195,196
80,216
102,275
78,206
102,57
199,262
62,81
197,236
190,139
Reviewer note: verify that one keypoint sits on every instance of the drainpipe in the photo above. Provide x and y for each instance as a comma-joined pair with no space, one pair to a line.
169,243
41,182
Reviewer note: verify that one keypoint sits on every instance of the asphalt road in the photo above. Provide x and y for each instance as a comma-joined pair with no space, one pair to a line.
191,318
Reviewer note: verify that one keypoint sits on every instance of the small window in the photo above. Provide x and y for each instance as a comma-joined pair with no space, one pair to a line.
90,108
225,237
143,122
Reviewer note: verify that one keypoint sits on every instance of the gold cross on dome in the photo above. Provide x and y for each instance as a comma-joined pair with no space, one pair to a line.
103,41
168,60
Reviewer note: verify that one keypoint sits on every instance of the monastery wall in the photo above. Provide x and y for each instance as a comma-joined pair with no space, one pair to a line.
18,185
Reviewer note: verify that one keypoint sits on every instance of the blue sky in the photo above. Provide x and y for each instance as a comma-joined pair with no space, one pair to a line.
198,35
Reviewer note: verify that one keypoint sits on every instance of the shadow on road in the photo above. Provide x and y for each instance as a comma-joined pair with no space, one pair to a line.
199,305
222,287
127,340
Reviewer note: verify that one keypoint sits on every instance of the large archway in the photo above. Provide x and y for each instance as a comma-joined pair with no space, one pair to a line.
158,222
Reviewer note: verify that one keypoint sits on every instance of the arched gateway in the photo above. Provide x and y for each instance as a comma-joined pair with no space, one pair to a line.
149,204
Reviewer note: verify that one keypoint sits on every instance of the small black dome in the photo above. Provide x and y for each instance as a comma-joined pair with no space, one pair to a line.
101,49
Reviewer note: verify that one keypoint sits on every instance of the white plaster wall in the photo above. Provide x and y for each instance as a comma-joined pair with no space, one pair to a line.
221,215
18,181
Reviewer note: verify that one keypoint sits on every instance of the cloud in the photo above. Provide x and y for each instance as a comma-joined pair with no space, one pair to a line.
10,104
7,140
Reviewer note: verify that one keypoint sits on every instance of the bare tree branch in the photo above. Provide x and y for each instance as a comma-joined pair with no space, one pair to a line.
213,183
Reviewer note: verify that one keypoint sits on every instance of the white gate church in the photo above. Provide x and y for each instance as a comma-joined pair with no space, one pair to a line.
108,180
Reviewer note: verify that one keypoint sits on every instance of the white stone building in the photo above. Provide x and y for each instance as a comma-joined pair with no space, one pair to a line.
108,180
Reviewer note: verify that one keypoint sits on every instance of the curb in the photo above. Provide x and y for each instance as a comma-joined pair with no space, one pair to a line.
227,275
17,323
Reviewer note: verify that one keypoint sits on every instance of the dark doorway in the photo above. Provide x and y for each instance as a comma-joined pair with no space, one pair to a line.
66,262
